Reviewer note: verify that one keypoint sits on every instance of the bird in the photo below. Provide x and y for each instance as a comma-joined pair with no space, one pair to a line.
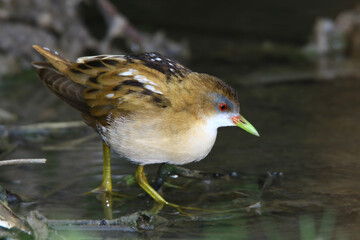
146,107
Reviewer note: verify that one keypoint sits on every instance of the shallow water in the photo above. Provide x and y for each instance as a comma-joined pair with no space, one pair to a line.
309,132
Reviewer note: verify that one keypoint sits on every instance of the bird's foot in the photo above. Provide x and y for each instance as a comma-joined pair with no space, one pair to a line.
144,184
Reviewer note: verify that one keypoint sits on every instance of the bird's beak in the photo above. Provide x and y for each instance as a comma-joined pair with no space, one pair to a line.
240,121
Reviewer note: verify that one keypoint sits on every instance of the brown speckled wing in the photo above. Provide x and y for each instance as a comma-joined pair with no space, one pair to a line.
117,85
107,86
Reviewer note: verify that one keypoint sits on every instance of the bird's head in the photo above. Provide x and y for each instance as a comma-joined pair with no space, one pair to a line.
223,106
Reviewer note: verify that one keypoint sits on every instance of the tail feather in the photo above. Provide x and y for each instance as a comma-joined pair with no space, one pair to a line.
60,63
55,75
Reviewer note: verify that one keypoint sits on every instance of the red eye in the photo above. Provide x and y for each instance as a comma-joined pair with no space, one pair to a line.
223,107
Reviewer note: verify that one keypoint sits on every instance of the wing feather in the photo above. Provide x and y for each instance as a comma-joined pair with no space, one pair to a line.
106,86
125,85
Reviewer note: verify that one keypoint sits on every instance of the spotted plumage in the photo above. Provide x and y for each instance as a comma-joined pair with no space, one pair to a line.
148,108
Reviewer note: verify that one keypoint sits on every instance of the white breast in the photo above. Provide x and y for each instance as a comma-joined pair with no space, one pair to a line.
147,143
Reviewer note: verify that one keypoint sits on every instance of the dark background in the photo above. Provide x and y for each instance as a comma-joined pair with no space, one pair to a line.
280,21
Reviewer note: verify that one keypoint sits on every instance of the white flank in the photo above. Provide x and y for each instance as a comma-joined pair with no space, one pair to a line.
110,95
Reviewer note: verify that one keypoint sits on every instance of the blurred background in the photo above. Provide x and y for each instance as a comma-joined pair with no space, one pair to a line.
203,32
295,65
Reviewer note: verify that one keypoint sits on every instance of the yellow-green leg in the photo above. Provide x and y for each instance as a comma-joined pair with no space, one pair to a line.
106,185
144,184
106,181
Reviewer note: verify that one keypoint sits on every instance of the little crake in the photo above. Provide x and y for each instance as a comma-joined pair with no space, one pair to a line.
148,108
